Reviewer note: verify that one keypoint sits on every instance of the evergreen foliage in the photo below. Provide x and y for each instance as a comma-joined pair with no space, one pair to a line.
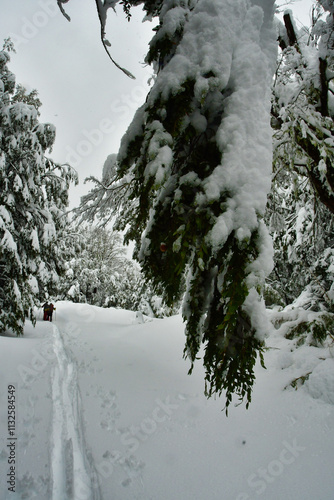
92,271
181,185
100,274
303,105
33,200
300,209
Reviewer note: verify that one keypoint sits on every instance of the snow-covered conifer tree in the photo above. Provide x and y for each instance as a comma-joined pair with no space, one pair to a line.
301,204
98,261
99,273
193,173
303,112
33,199
302,230
303,106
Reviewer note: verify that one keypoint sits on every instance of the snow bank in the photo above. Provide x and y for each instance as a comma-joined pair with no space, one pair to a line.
119,394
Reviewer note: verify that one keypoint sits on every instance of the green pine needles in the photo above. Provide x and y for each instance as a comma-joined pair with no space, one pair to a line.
191,179
187,240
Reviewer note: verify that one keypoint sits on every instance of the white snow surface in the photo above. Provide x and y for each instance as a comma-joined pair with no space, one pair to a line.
105,410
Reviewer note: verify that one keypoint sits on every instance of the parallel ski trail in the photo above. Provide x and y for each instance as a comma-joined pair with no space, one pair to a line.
73,476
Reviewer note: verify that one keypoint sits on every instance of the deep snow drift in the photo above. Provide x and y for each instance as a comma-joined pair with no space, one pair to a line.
104,409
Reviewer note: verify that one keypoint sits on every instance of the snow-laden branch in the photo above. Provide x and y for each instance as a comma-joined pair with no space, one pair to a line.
102,9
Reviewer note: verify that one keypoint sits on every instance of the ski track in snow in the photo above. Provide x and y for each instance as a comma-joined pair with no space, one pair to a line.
73,473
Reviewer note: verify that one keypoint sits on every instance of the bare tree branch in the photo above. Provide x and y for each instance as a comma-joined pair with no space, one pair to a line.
60,2
102,12
290,30
102,8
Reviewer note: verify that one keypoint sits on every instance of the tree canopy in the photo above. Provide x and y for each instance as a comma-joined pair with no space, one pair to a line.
33,201
192,176
190,182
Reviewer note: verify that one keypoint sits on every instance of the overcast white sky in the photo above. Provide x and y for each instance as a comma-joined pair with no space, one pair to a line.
84,95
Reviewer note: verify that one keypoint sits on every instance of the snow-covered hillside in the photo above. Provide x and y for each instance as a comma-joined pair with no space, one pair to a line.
104,409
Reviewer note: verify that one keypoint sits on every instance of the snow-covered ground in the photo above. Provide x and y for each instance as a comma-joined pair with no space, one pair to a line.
104,409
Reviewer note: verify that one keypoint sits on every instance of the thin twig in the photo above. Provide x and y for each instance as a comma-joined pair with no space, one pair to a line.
60,2
102,17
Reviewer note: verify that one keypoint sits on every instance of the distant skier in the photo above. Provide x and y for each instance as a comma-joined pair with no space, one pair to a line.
50,312
46,311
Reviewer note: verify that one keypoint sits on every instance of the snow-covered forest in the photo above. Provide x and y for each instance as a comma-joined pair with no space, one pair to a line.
223,184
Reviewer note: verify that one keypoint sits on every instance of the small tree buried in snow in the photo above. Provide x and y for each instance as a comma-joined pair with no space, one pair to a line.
33,198
192,176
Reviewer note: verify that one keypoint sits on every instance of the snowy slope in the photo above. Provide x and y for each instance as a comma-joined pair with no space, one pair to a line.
105,410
